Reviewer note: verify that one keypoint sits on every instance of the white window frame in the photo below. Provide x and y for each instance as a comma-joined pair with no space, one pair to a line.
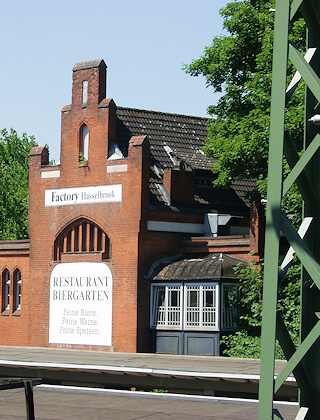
167,316
85,141
17,289
6,290
170,317
228,315
205,318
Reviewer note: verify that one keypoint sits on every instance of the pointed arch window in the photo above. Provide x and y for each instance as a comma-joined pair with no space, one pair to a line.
82,236
6,290
17,289
84,142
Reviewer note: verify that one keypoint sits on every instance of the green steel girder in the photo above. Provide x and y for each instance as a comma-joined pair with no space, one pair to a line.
278,99
289,351
302,250
306,71
311,15
296,358
294,8
301,164
305,173
303,182
287,261
297,77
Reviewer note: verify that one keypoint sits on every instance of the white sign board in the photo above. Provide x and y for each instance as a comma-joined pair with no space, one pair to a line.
85,195
81,304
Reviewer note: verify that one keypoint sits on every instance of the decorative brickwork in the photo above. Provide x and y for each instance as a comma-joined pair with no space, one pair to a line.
126,211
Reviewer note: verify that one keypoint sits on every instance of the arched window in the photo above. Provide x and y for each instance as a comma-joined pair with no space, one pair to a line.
17,290
84,142
82,236
5,290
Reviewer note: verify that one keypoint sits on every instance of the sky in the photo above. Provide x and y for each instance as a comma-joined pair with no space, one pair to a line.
143,42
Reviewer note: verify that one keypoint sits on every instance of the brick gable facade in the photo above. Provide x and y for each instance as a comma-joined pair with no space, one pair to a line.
158,209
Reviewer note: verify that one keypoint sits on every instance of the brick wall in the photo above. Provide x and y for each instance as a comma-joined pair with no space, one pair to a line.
246,248
152,247
121,221
133,249
180,185
14,255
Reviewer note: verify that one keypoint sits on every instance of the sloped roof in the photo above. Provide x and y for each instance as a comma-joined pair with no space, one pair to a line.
210,267
185,135
88,65
174,140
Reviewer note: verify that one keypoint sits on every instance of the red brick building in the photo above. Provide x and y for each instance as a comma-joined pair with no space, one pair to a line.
132,189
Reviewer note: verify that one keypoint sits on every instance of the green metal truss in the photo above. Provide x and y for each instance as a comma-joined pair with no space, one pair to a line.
303,361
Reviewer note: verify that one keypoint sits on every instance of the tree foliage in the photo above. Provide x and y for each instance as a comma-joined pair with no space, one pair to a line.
14,161
239,65
247,342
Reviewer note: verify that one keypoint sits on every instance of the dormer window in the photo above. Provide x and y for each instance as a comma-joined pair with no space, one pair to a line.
84,143
114,151
84,93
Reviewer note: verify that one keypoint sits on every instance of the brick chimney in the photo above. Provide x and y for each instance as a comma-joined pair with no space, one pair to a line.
180,185
89,83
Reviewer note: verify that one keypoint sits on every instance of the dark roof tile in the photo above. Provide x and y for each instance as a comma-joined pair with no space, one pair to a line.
209,267
174,140
183,134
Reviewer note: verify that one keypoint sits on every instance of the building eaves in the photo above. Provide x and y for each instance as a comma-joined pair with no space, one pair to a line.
88,65
210,267
22,244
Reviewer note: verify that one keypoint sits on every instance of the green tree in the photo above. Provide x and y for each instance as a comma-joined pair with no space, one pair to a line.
14,161
247,341
239,66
